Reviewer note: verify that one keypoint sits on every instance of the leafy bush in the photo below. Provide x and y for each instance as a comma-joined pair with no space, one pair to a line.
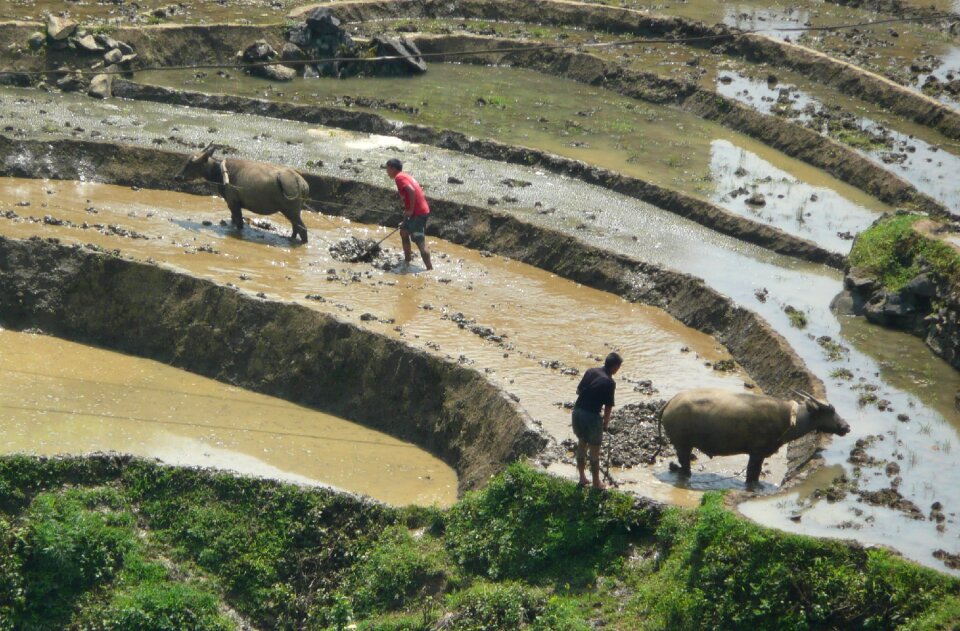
532,525
399,569
11,577
893,251
493,606
721,571
70,549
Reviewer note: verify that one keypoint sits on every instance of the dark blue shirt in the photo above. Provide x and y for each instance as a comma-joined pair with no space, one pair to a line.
595,390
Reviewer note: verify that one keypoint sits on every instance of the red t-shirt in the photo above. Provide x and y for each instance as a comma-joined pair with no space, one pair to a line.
420,206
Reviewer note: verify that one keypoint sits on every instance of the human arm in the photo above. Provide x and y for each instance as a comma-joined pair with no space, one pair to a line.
409,197
606,416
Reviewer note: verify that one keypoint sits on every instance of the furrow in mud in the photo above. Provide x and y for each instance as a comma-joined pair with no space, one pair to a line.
700,211
764,353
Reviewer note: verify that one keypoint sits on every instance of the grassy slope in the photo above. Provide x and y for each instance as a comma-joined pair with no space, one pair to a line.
107,544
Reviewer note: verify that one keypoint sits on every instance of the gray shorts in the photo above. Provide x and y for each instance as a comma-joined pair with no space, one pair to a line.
417,227
588,426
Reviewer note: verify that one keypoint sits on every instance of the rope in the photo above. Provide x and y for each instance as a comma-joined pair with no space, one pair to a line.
203,425
513,49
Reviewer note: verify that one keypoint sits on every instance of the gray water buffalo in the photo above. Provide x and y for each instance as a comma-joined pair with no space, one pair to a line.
722,423
258,187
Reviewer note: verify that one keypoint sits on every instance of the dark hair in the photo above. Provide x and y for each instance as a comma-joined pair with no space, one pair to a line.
612,360
396,164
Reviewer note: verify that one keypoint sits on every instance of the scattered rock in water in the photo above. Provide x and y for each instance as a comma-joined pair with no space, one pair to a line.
632,437
454,180
725,365
952,561
514,183
354,250
891,498
757,199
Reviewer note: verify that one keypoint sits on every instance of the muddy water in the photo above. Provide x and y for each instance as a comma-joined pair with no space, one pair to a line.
618,223
542,326
57,397
658,144
919,155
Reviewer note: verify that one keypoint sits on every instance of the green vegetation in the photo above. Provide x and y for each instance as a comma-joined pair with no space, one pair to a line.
895,253
798,319
113,543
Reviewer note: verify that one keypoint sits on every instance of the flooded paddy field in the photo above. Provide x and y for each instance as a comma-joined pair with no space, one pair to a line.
893,399
531,333
655,143
59,397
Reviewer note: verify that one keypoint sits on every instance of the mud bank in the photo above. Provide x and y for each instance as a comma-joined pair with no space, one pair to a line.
700,211
175,45
918,292
282,350
763,353
816,66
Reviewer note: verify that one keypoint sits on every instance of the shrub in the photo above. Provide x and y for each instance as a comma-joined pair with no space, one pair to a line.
532,525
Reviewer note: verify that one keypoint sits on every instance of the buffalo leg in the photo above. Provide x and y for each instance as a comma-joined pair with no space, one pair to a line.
753,469
236,216
684,455
299,229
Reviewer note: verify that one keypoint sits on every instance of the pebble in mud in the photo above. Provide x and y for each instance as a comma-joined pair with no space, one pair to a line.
632,437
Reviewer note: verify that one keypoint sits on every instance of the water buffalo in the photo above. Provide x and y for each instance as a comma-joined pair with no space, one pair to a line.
258,187
722,423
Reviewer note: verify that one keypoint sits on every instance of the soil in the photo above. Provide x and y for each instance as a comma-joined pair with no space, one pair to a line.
633,438
279,349
760,350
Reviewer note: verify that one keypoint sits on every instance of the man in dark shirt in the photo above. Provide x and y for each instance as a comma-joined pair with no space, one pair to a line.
596,390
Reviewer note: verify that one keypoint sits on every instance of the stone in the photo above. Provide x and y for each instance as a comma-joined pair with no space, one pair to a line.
89,44
292,53
70,83
125,48
322,21
113,56
411,62
275,72
260,50
106,41
299,35
757,199
101,86
126,59
921,285
59,29
36,40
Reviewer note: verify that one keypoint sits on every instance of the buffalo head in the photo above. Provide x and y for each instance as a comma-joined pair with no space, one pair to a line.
823,415
192,169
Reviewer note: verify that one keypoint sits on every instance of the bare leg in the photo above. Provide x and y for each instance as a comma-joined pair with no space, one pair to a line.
754,466
582,462
595,467
425,254
405,239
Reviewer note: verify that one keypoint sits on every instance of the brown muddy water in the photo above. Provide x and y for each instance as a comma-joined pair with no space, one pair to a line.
58,397
926,159
655,143
542,330
599,217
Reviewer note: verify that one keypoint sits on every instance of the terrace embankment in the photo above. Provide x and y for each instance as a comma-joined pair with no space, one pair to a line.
758,348
283,350
846,77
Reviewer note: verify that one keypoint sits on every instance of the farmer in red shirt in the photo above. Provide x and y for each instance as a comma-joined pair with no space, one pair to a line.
415,212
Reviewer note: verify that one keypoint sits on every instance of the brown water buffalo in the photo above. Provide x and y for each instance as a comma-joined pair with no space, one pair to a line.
258,187
722,423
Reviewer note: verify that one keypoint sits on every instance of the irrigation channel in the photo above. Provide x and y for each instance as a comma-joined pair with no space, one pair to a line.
535,327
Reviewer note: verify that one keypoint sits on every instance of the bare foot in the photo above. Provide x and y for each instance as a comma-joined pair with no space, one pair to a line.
600,486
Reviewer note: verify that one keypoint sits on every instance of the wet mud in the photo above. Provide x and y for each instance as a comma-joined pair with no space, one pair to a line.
273,348
59,397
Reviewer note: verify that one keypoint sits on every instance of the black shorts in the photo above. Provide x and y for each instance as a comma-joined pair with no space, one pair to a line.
588,426
416,226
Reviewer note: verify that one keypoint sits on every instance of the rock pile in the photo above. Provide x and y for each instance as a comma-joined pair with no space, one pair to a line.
321,37
105,52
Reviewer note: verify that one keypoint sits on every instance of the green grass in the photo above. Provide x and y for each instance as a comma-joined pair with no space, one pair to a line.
103,544
895,253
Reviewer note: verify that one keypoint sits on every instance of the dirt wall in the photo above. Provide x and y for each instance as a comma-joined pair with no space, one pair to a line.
766,356
284,350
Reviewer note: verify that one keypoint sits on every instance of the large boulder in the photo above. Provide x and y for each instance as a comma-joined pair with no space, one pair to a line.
410,60
36,40
101,86
59,29
260,52
89,44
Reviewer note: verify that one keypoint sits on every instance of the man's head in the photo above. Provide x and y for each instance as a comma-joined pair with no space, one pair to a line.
612,363
394,166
